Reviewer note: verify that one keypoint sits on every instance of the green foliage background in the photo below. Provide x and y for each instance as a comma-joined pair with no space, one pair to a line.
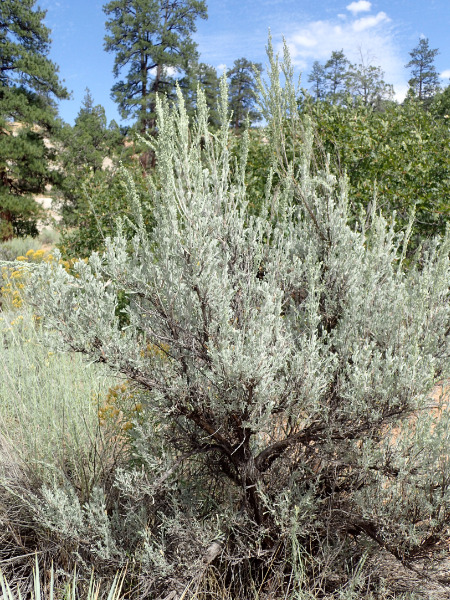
401,155
102,198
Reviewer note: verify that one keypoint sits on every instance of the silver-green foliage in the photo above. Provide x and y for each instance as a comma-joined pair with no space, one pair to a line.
49,407
18,247
56,462
281,348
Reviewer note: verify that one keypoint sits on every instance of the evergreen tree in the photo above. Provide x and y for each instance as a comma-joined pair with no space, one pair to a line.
318,78
28,86
85,146
336,74
424,82
152,41
243,91
205,76
91,138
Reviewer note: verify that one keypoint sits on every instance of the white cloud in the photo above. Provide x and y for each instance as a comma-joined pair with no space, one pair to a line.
306,40
370,22
170,71
445,74
222,67
361,6
318,39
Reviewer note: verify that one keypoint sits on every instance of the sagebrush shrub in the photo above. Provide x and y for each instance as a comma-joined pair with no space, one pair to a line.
288,345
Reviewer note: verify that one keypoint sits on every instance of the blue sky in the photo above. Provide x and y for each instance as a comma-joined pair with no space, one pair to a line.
384,31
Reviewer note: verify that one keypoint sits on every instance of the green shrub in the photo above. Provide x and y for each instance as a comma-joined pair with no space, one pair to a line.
101,200
49,237
18,246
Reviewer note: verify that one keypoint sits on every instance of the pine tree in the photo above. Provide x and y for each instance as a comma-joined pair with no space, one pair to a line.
28,86
243,91
205,76
336,74
424,82
152,41
92,140
318,78
93,194
282,357
85,146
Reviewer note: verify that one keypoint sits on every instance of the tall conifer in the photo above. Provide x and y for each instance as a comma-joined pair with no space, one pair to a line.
152,41
318,79
424,82
244,91
336,73
205,76
85,146
29,84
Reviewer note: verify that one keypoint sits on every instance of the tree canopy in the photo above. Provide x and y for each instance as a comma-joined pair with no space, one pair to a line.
400,154
151,42
82,152
366,82
29,84
338,78
205,76
318,78
92,138
424,82
336,73
243,91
